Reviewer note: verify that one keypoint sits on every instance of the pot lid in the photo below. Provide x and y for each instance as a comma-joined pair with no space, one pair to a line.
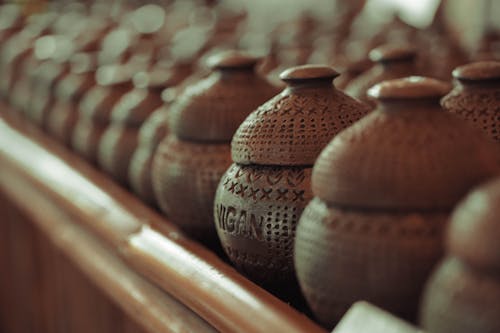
406,155
212,109
478,71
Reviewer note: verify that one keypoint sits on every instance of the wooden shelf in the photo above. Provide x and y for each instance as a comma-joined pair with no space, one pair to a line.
161,278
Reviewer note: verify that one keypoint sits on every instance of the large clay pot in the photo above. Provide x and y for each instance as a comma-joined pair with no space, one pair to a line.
95,109
152,132
383,191
463,294
189,163
260,198
391,62
476,97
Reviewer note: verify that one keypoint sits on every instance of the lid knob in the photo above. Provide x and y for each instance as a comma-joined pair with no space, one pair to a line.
307,73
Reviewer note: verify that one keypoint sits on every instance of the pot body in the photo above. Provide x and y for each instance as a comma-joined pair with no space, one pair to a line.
62,120
460,299
116,147
152,132
185,178
63,117
86,137
257,209
139,175
343,256
94,118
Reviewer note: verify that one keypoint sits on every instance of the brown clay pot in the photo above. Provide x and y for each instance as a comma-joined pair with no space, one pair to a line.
95,109
43,91
463,294
21,89
68,93
189,163
476,97
151,133
351,71
121,138
12,21
19,48
391,62
383,191
260,198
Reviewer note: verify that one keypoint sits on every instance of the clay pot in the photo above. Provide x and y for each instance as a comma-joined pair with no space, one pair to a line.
189,163
43,91
68,93
351,71
12,21
391,62
22,89
383,190
463,294
260,198
95,108
152,132
121,137
476,96
19,48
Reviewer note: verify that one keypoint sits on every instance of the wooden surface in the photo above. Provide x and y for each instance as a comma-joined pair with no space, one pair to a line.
112,238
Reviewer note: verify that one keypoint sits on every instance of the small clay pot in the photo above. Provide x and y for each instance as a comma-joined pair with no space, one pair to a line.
476,97
383,191
19,48
21,90
351,71
463,294
189,163
12,21
68,93
391,62
260,198
152,132
43,91
121,138
95,108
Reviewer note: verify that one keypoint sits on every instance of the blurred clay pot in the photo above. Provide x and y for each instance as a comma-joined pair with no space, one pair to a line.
69,92
476,96
391,62
463,294
189,163
121,138
95,109
151,133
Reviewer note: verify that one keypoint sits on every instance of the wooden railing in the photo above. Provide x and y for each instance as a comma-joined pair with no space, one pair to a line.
78,253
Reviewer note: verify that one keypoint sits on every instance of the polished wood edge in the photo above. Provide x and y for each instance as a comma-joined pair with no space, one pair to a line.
155,310
148,242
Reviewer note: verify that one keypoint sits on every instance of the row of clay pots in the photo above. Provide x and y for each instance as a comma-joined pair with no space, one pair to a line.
365,222
383,188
